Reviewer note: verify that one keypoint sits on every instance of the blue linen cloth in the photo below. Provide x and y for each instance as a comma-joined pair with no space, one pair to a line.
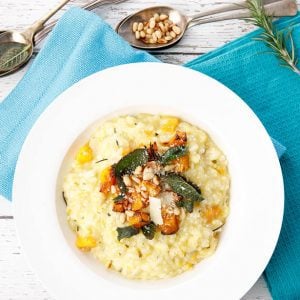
82,44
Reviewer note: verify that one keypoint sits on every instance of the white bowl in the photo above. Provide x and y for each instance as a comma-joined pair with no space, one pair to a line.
256,202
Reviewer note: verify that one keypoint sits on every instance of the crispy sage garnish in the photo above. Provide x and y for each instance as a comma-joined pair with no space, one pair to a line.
149,230
183,188
127,232
187,204
173,153
131,161
119,198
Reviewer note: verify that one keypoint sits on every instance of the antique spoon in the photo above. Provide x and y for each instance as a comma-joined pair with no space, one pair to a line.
16,48
89,6
225,12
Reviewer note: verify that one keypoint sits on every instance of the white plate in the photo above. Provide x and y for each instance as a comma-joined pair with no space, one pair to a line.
253,225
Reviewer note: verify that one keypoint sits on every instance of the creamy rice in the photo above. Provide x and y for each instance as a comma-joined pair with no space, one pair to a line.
89,212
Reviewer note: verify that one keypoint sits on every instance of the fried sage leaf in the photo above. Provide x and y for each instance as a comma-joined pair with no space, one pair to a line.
127,232
187,204
183,188
131,161
149,230
173,153
119,198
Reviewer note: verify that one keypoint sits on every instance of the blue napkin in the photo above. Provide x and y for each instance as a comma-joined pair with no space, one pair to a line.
82,44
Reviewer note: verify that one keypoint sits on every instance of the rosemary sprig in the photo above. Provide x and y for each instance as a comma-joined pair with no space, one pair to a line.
276,40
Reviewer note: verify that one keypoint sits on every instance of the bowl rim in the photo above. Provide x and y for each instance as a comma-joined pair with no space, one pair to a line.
109,77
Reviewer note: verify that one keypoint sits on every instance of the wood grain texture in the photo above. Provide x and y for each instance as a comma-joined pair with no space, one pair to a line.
17,280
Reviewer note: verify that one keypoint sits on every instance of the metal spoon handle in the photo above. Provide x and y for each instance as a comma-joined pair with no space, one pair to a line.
38,25
223,8
89,6
276,9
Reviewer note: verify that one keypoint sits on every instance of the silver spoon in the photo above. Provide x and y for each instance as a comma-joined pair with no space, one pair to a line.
16,48
89,6
225,12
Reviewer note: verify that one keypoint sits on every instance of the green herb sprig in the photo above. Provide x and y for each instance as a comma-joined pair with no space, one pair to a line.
276,40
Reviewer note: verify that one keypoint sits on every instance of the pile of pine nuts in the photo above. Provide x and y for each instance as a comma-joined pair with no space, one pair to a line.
158,30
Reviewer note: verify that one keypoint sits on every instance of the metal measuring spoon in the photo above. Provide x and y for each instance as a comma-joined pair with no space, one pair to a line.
16,48
224,12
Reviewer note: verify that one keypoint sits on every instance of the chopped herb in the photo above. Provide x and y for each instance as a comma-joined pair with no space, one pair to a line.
219,227
117,142
135,123
173,153
101,160
131,161
64,197
188,191
156,134
115,130
149,230
127,232
109,214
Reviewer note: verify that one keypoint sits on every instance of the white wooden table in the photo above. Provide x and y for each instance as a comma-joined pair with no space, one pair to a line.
17,279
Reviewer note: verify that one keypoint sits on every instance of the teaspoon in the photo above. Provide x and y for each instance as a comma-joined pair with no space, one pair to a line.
225,12
16,48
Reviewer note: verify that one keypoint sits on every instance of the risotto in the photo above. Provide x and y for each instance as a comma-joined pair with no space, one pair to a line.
147,195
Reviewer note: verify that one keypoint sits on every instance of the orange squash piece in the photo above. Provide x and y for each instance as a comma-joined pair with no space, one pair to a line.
170,223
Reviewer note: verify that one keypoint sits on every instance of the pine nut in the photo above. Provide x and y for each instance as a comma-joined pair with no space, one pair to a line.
149,31
173,34
145,194
113,189
138,170
134,26
163,17
161,26
152,23
154,37
137,35
155,180
176,29
162,41
127,180
156,17
140,26
158,34
142,34
168,38
135,179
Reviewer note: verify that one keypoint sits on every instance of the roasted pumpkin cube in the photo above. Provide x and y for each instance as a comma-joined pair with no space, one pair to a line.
118,207
179,139
170,224
85,243
182,164
152,189
169,124
137,203
107,179
84,154
139,219
212,212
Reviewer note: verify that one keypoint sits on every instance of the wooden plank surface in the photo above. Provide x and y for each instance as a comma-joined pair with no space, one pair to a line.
17,280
